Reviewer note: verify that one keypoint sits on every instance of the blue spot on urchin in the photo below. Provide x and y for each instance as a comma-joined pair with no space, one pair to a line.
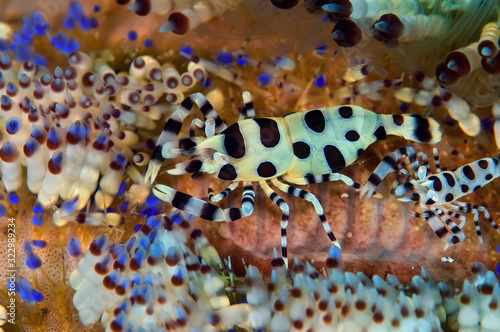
265,79
69,22
41,26
149,279
28,293
124,206
243,59
176,217
155,221
148,211
143,242
139,255
121,319
25,291
13,198
54,136
321,49
22,53
102,138
40,244
123,260
27,248
180,313
31,145
9,149
85,24
32,261
38,219
117,249
488,123
13,285
3,210
93,22
71,45
74,247
122,189
37,131
153,235
124,306
37,296
205,81
24,36
320,81
77,130
75,10
6,102
13,124
11,88
151,206
186,49
148,42
120,160
4,45
70,205
153,200
38,208
225,59
335,252
58,40
115,276
132,35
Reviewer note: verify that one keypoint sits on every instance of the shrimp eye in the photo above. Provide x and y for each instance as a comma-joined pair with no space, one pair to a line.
221,158
210,127
433,195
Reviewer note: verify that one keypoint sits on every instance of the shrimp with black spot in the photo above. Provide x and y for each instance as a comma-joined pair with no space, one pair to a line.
298,149
437,193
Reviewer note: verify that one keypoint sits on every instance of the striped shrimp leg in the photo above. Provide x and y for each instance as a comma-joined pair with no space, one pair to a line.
314,201
285,216
404,176
205,210
389,164
223,194
440,223
165,147
475,209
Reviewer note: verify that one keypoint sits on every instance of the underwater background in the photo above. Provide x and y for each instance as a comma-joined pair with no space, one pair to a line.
86,88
